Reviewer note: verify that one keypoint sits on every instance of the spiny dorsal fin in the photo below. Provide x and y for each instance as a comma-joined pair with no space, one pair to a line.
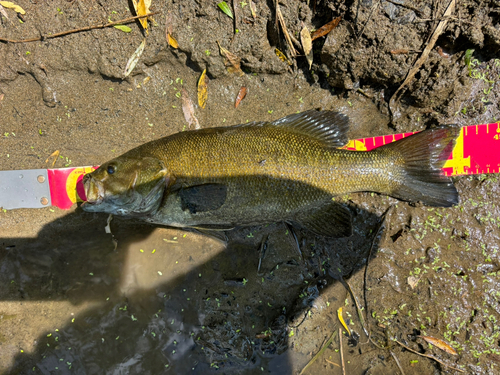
326,126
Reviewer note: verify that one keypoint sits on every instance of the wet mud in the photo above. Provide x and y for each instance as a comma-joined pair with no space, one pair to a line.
148,299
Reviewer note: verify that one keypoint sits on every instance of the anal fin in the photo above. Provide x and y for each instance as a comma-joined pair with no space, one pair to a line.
331,220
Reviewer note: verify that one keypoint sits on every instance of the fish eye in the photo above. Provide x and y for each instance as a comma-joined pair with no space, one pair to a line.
111,169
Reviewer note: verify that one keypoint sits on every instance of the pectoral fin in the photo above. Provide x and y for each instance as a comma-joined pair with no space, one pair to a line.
202,198
331,220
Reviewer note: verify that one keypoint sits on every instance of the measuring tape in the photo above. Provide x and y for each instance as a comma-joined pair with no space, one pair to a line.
476,151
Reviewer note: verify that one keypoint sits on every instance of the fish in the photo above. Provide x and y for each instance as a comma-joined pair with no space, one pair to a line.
289,170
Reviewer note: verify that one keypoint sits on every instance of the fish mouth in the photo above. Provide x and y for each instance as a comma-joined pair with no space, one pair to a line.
94,190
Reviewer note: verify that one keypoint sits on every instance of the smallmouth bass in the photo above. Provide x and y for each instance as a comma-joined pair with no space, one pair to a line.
261,172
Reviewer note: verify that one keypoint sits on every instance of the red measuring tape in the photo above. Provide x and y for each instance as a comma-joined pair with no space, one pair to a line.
475,152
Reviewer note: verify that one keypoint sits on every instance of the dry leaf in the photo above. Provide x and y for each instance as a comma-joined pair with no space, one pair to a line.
440,344
253,9
188,110
53,158
413,281
14,7
132,62
325,29
2,96
143,9
203,89
4,13
233,61
305,39
172,42
282,56
339,314
168,31
241,96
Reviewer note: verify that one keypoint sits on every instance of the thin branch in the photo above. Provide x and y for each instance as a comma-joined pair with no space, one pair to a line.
429,356
341,351
43,37
397,362
423,57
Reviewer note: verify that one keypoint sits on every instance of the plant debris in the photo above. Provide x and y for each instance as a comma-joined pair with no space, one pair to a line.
188,110
241,95
305,39
440,344
203,89
232,61
14,7
172,42
325,29
132,62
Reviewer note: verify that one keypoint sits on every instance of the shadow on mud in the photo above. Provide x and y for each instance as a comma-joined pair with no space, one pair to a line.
172,301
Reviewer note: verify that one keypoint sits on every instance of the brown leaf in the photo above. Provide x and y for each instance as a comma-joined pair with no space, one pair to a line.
233,61
203,89
305,39
325,29
440,344
241,96
188,110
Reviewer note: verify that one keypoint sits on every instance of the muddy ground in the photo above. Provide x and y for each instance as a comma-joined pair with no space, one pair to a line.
172,301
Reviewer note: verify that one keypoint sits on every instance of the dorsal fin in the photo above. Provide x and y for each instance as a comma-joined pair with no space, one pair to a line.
326,126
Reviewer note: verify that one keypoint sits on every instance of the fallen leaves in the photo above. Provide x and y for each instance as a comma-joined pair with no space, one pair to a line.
52,158
439,344
325,29
123,28
188,110
14,7
241,95
141,9
282,56
232,61
413,281
339,314
305,39
132,62
203,89
172,42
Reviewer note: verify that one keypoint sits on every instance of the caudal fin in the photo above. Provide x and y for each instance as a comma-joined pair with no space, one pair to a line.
424,154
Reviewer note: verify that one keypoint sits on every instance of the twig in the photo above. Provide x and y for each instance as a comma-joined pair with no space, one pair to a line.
327,344
429,356
358,309
281,20
332,363
294,236
368,20
382,222
397,362
423,57
43,37
341,351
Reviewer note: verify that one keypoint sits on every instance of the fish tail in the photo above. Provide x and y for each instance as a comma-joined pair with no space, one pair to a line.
423,155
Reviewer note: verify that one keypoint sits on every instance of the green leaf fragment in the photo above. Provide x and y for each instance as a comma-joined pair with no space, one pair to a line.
123,28
225,8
